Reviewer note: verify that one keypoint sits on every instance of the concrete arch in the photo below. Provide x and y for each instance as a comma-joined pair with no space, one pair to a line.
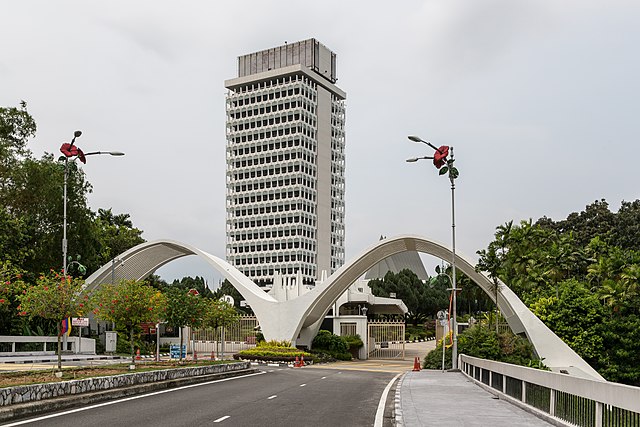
141,261
299,319
555,352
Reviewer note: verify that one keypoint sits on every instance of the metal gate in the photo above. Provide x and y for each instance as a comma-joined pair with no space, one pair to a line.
238,336
386,340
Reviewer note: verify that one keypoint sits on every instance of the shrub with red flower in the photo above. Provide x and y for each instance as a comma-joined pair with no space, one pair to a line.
128,304
54,299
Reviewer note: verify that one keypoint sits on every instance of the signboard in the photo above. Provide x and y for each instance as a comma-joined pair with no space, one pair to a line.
175,353
80,321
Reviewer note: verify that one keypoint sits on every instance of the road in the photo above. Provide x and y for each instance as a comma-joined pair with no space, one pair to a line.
272,397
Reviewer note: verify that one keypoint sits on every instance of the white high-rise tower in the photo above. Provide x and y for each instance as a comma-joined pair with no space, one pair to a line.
285,164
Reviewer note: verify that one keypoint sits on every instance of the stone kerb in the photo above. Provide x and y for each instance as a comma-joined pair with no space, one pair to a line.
36,392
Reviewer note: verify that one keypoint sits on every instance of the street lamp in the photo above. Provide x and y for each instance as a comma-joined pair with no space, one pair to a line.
443,160
72,153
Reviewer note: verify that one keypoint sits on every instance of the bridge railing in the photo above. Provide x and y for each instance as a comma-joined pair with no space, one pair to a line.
578,401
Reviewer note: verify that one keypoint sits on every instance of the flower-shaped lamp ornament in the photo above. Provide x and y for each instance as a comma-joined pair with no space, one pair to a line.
70,150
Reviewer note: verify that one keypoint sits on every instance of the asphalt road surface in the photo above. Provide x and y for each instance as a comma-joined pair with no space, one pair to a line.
272,397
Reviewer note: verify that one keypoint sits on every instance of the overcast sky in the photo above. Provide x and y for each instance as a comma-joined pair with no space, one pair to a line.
539,99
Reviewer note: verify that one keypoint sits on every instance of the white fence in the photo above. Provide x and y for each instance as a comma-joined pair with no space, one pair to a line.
579,401
30,345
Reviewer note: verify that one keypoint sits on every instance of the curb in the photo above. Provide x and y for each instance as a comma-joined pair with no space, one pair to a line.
24,410
397,413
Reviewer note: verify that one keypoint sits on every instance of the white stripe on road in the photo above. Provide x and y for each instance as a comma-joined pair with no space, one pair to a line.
382,403
272,397
323,378
302,385
126,399
219,420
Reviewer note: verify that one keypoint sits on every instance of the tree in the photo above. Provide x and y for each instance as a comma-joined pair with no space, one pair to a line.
218,314
55,297
197,283
576,317
114,234
16,127
626,233
184,308
11,288
128,304
226,288
407,287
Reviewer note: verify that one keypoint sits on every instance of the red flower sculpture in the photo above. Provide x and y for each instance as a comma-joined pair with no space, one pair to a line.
71,150
440,157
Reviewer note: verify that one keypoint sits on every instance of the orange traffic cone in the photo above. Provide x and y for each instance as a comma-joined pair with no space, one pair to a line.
416,364
138,354
297,363
301,361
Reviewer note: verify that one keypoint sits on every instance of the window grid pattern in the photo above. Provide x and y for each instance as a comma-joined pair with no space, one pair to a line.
271,179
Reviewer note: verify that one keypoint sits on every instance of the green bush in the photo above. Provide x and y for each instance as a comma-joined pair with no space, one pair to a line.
325,340
272,353
334,346
485,343
354,342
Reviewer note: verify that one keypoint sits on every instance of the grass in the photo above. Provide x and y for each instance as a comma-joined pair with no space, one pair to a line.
13,379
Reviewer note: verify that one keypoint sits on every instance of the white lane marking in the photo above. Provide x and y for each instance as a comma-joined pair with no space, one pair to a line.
383,401
302,385
126,399
219,420
272,397
270,370
323,378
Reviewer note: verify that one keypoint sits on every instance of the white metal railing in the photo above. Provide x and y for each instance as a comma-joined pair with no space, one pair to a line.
34,345
579,401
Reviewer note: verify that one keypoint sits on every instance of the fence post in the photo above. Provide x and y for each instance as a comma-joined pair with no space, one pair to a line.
552,402
524,391
599,414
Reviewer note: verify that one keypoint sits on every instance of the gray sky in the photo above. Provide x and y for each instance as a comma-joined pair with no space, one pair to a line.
537,97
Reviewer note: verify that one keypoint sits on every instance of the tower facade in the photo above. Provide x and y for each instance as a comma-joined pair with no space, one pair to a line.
285,164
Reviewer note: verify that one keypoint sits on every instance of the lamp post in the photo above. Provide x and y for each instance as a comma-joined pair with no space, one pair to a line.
443,160
72,153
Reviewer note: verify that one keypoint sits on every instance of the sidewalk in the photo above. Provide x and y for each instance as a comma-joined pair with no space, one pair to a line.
434,398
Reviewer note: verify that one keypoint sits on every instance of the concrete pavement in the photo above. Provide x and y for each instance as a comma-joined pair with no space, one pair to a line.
434,398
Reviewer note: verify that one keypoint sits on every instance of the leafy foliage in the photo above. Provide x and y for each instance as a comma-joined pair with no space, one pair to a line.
128,304
334,345
55,297
581,276
484,342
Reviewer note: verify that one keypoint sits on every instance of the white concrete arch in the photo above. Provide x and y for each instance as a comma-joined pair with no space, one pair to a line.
141,261
299,319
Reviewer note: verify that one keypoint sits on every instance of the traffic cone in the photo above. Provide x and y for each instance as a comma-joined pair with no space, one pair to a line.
416,364
212,356
138,354
301,361
297,363
195,356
